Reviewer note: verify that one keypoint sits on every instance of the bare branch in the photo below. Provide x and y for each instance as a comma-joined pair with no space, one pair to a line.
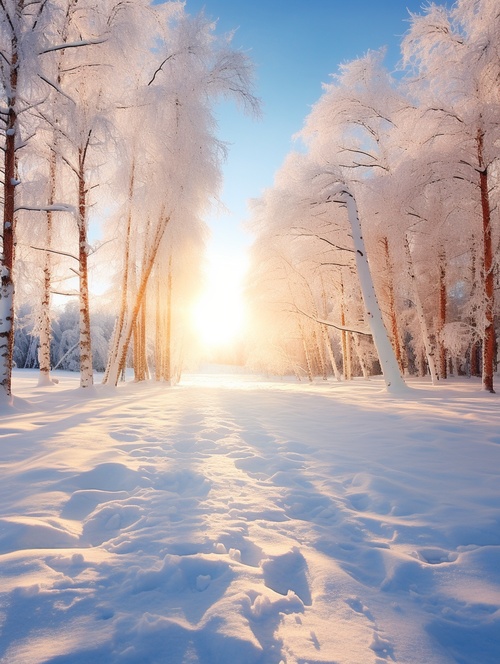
172,55
65,293
54,251
56,88
304,233
329,323
68,163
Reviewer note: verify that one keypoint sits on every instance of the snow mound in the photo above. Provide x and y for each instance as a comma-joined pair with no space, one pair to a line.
258,523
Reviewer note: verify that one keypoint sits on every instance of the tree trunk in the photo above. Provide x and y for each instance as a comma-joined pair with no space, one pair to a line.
158,329
474,359
86,373
329,350
346,344
168,326
9,194
488,276
326,337
392,375
359,355
307,356
428,345
113,357
442,315
124,341
141,371
475,349
319,356
389,271
45,332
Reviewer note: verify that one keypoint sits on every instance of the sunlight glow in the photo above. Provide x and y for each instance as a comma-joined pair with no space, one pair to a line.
219,314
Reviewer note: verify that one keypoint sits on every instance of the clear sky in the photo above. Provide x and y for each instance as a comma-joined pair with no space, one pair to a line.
295,45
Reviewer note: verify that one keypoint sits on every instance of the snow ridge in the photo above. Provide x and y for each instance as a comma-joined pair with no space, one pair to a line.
240,520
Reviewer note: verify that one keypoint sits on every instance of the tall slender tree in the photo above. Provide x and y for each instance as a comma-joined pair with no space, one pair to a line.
456,52
31,35
193,69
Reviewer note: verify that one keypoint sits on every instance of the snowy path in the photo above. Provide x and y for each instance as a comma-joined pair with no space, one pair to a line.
251,522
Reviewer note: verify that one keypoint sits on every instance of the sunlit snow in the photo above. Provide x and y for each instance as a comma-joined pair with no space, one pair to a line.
238,519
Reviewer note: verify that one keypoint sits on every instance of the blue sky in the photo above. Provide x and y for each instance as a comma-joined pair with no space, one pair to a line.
295,45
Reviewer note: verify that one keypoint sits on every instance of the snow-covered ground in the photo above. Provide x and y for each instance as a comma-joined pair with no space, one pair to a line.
241,520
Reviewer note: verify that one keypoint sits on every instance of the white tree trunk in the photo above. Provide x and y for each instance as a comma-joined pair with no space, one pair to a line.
86,372
326,337
359,355
392,375
428,345
45,332
329,350
8,241
44,378
6,300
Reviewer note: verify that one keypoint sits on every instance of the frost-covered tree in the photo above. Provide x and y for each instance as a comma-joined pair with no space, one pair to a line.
420,157
22,45
173,169
317,213
363,124
345,134
31,36
454,56
84,126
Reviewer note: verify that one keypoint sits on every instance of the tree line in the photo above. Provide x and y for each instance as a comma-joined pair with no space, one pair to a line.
418,151
375,250
107,116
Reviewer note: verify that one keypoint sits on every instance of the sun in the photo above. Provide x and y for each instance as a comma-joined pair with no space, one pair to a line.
219,314
218,320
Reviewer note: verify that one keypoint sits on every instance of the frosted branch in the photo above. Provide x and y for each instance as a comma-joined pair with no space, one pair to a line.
78,44
54,251
329,323
56,88
47,208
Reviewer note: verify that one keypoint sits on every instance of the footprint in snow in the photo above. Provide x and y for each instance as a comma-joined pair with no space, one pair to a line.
123,436
108,477
84,501
288,572
183,482
435,556
106,522
382,647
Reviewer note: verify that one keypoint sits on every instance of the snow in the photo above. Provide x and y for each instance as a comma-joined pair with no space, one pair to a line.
239,519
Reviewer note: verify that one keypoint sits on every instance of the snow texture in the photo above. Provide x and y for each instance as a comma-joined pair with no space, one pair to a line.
238,520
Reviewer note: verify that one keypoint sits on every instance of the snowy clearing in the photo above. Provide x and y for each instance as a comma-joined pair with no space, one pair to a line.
241,520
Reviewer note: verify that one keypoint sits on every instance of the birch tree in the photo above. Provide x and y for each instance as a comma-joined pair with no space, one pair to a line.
457,52
21,37
327,195
30,36
193,69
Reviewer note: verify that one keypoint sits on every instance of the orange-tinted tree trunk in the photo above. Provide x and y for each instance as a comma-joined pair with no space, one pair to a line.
443,372
489,328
